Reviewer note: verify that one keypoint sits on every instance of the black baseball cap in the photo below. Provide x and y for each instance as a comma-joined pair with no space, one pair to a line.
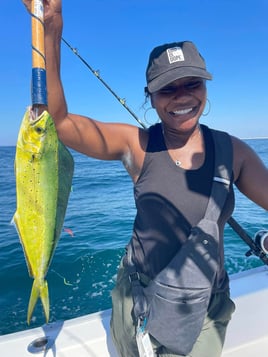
172,61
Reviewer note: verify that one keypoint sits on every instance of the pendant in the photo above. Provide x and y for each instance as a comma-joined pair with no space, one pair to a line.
178,163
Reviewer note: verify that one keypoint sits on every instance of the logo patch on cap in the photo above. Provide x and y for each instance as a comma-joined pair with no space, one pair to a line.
175,54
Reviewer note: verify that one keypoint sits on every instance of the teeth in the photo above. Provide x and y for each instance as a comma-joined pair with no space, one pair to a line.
182,111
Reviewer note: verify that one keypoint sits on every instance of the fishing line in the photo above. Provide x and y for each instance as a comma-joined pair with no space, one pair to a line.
97,74
254,248
65,281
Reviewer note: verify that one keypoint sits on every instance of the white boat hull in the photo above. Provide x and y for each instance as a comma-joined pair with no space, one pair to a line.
89,336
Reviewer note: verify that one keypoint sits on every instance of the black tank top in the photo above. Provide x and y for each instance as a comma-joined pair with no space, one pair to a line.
170,201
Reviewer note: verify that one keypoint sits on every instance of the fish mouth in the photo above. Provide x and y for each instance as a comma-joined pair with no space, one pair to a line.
35,114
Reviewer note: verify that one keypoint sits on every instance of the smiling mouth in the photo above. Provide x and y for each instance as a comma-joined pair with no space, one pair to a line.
182,111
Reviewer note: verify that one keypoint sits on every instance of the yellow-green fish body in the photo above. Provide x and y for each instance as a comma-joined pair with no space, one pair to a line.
44,171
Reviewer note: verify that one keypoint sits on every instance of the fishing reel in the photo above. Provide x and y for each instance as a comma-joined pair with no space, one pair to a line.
261,240
258,245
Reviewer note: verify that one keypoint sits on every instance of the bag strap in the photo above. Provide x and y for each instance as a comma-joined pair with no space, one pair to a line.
222,174
140,307
220,188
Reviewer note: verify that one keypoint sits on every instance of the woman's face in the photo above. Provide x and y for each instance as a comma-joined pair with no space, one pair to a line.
180,103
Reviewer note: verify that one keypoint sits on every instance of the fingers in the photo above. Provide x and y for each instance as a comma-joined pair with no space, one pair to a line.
46,3
27,4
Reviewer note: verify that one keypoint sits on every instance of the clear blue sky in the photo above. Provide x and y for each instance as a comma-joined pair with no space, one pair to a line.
116,36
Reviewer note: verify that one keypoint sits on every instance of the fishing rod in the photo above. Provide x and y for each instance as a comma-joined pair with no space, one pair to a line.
39,86
258,246
97,74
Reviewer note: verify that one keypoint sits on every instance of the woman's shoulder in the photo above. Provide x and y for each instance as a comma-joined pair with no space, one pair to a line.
240,150
243,155
238,144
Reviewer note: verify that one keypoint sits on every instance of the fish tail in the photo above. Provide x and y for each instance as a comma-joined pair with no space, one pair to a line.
39,289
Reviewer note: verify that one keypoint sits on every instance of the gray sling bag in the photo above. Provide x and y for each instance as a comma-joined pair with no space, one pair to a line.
173,306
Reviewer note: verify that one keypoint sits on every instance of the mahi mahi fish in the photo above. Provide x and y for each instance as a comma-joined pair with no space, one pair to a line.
44,171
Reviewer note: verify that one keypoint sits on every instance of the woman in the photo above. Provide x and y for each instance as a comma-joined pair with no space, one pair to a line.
172,168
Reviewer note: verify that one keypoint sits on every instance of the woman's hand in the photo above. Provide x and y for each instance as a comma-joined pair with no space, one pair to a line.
51,8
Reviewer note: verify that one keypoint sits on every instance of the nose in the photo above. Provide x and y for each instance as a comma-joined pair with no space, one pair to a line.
180,91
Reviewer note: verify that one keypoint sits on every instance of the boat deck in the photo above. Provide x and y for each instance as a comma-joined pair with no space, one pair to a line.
88,336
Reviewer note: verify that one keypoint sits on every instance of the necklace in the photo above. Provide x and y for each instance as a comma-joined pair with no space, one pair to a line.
178,163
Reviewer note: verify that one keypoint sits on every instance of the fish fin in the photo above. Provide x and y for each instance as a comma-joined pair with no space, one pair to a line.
14,222
39,289
45,299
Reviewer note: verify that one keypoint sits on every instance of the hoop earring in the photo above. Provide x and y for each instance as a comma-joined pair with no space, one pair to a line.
149,122
209,107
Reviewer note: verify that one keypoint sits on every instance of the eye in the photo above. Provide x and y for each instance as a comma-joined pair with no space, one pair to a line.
194,84
39,130
167,90
188,86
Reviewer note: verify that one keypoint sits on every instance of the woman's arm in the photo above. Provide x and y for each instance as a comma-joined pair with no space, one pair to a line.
251,175
93,138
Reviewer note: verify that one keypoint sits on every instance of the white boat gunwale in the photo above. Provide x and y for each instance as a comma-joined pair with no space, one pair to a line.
89,335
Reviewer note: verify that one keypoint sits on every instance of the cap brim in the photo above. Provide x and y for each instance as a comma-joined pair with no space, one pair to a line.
176,73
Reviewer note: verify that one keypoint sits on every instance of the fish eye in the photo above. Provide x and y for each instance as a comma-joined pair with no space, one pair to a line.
39,130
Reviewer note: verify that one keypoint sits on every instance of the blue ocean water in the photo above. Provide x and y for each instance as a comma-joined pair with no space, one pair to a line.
97,227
